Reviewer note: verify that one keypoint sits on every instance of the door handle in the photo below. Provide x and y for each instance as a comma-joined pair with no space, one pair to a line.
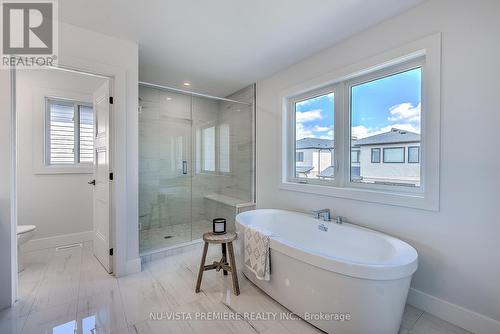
184,167
92,182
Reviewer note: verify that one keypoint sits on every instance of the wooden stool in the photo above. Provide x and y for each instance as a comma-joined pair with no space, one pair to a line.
223,239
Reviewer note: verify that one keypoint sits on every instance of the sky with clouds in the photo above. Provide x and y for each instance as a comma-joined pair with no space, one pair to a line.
377,106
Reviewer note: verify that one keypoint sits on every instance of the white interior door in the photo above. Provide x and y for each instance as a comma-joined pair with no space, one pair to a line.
102,177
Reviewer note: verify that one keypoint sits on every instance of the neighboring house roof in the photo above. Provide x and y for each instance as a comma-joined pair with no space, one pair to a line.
304,169
392,137
328,172
316,143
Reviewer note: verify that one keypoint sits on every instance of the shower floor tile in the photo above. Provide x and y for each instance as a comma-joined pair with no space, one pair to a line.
171,235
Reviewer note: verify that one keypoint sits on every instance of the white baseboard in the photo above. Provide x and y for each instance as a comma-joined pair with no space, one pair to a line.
58,240
133,266
457,315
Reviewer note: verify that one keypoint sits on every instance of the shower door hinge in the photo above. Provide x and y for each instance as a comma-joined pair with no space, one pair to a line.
111,176
111,100
111,252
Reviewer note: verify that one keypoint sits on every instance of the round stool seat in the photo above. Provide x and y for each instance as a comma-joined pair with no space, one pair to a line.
219,238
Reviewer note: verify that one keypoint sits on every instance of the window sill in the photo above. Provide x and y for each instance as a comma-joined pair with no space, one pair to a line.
411,200
47,170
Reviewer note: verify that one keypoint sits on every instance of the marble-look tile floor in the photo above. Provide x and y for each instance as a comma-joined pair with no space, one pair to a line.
68,291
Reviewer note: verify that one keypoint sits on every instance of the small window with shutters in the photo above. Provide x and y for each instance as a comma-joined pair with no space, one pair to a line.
69,132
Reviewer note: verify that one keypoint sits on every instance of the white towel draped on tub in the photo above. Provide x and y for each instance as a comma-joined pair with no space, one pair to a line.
257,252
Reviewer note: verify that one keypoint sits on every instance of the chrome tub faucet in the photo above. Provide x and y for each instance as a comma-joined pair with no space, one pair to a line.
340,220
323,214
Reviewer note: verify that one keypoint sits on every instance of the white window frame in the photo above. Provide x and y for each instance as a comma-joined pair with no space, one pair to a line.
218,148
358,155
203,129
418,154
217,163
384,149
424,53
291,129
76,153
39,134
373,149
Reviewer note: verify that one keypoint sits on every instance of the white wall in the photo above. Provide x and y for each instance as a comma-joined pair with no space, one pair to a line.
458,246
86,50
80,48
7,232
58,204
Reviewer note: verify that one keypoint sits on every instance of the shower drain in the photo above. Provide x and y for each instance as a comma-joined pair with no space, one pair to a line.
168,236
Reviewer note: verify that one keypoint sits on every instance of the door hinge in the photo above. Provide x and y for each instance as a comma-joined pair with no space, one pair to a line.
111,100
111,176
111,252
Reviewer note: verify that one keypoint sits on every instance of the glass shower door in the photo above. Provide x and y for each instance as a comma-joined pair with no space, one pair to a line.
223,160
195,164
165,169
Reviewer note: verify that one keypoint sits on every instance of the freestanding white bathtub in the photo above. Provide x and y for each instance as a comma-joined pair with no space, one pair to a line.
327,277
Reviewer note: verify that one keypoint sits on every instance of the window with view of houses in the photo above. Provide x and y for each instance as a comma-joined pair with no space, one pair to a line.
314,120
384,129
385,122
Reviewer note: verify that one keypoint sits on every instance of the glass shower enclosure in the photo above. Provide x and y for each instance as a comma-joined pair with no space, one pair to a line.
196,163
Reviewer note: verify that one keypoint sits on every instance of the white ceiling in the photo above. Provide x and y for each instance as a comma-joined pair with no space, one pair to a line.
221,46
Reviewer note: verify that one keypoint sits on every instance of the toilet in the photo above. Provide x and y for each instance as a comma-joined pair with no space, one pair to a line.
24,234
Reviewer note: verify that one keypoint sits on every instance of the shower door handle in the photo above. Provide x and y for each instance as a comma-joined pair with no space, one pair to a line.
184,167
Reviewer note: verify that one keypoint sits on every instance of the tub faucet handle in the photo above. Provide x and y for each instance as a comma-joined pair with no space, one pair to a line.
340,219
323,214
